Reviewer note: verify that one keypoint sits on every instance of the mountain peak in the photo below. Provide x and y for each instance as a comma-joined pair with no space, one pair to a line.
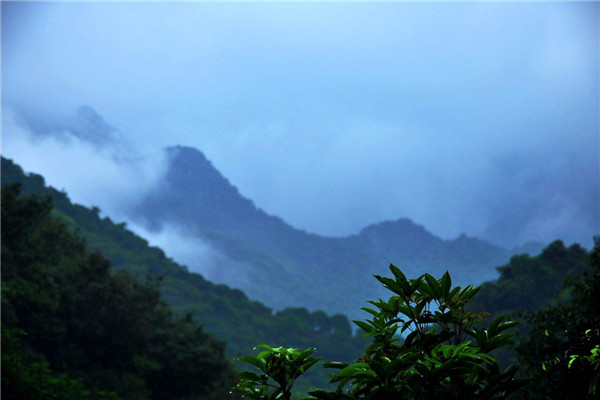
190,170
90,126
186,152
194,190
399,227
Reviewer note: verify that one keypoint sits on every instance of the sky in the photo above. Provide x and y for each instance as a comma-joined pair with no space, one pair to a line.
480,118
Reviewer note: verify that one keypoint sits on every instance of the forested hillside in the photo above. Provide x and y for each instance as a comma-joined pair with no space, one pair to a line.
530,283
228,313
66,309
64,312
555,296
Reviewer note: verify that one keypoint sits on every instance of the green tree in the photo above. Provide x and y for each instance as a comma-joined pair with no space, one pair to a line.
229,313
86,327
561,350
25,377
445,354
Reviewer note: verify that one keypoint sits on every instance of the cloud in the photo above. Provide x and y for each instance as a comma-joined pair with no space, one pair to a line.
335,116
195,253
505,186
92,162
83,154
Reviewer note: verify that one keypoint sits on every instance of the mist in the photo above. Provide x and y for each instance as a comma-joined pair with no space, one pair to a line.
104,172
474,118
195,254
95,165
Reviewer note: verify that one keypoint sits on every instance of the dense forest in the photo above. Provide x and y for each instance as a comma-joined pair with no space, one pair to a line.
227,313
90,310
62,310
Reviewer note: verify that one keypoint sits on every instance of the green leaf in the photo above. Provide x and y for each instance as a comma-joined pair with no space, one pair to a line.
494,324
434,285
355,370
263,354
507,325
252,360
397,273
335,364
364,326
370,311
249,376
393,286
446,283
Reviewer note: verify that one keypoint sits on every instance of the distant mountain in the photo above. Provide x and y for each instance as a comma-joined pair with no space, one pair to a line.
283,266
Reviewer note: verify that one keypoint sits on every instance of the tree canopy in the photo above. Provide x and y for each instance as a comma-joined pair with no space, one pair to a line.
63,312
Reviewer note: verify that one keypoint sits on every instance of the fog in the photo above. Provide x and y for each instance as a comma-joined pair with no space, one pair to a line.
475,118
94,164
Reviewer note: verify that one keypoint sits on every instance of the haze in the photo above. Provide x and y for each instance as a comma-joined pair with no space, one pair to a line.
476,118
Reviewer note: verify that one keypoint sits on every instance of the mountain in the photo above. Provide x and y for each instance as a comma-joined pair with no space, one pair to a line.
529,283
229,313
282,266
196,211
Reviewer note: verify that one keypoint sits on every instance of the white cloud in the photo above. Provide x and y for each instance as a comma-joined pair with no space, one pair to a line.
92,175
331,116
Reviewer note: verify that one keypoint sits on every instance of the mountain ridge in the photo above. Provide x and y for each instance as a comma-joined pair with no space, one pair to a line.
284,264
228,312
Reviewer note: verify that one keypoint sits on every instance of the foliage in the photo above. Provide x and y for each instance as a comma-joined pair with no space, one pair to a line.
530,283
83,324
234,319
23,378
280,368
561,350
444,354
592,358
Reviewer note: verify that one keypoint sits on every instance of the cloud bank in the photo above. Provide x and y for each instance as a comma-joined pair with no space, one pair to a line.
94,163
83,155
476,118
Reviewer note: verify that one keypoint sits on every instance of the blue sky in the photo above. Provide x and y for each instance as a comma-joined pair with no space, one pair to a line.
477,118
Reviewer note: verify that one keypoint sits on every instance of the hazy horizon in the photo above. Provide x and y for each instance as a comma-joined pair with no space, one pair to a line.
474,118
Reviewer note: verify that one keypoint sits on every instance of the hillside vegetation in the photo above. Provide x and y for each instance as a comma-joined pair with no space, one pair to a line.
427,343
530,283
63,312
228,313
87,298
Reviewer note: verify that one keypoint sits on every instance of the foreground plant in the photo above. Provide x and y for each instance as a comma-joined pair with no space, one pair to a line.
279,368
444,353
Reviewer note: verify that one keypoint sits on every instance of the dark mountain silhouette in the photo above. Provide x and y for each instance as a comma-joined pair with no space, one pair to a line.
284,266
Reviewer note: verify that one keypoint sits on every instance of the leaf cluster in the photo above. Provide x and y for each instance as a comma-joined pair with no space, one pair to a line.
278,368
425,344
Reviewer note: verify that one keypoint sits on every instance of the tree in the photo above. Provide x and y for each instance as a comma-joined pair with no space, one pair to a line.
561,351
444,355
71,326
25,377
